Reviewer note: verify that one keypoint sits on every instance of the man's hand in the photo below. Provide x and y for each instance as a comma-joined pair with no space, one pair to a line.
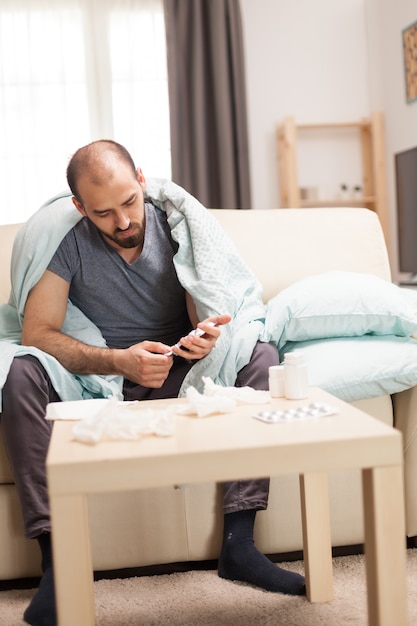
145,363
195,347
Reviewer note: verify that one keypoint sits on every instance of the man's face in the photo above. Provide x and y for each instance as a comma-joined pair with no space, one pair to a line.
115,207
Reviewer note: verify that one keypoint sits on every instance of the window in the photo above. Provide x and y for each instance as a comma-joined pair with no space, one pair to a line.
72,71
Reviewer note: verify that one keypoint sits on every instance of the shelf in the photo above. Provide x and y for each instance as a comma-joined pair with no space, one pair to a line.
371,137
339,202
365,123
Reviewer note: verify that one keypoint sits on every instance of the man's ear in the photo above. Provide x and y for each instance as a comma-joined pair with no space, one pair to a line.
78,206
141,178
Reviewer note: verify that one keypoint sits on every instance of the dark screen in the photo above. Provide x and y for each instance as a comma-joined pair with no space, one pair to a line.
406,184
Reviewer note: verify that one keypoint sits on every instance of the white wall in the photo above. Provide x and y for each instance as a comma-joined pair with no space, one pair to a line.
306,59
324,61
386,20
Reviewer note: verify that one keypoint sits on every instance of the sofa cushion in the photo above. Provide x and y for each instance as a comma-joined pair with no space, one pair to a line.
354,368
340,304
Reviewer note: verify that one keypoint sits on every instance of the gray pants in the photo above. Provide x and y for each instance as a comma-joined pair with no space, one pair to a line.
27,392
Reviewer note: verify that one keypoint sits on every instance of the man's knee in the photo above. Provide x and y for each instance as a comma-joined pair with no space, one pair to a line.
27,381
24,370
266,353
255,373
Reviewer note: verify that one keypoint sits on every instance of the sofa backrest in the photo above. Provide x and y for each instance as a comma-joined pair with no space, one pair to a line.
282,245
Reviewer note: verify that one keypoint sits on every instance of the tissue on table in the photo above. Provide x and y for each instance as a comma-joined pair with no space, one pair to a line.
217,399
126,420
247,395
74,410
201,405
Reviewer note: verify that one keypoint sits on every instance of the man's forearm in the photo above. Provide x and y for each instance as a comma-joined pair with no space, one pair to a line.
75,356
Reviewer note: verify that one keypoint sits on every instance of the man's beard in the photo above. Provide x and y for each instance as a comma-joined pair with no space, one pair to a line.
134,241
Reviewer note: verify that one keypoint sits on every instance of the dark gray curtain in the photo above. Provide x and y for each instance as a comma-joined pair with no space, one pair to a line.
206,78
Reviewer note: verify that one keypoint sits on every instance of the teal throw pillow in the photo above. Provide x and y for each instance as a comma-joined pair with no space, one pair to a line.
340,304
354,368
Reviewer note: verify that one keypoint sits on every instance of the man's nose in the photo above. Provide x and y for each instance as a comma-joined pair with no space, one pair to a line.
122,221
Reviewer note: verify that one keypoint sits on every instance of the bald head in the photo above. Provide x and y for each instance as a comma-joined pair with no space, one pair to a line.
96,163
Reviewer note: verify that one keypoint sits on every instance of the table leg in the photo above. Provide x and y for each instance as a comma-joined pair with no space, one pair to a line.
385,545
74,583
316,536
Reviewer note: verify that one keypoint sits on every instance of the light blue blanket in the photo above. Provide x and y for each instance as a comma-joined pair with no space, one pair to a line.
208,267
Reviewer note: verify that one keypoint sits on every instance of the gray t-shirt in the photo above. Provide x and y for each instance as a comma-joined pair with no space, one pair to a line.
128,302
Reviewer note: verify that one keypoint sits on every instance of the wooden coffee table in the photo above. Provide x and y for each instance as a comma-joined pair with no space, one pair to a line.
236,446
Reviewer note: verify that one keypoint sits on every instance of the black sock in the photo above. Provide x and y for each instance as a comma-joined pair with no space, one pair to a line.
240,559
42,609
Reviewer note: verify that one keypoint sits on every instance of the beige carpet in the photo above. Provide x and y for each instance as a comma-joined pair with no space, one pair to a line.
201,598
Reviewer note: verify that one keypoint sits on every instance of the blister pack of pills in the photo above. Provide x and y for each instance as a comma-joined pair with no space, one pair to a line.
314,410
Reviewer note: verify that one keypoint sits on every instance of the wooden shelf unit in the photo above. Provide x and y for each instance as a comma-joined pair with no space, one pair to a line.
371,137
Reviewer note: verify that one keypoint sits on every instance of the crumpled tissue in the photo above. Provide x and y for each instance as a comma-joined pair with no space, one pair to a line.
217,399
126,420
246,395
201,405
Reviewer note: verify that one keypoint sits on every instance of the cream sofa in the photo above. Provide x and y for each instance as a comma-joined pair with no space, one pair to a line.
185,524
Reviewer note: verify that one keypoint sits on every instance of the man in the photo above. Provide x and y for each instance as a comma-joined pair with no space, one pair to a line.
143,273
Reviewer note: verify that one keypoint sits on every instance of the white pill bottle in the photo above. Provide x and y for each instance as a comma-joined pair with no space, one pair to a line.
296,375
277,381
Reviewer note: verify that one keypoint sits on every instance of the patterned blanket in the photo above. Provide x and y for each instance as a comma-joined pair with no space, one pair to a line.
208,267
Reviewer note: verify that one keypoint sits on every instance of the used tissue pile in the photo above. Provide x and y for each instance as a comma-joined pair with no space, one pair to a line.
123,420
127,420
217,399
